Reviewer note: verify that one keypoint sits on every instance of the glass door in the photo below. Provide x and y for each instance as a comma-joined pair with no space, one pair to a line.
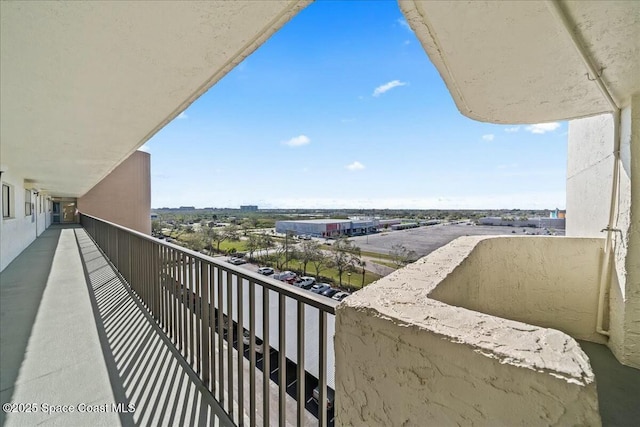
56,213
68,211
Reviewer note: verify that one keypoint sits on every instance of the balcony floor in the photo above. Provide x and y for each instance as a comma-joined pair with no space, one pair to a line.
71,333
618,386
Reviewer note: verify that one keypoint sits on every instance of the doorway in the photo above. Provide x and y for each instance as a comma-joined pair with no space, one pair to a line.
64,211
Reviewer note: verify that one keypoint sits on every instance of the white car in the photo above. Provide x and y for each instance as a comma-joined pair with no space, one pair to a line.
305,282
319,288
340,296
267,271
236,261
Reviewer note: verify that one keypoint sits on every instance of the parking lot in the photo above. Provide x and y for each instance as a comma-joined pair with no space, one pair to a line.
425,240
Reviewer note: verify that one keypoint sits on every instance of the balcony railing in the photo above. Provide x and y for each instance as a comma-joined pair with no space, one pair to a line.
210,309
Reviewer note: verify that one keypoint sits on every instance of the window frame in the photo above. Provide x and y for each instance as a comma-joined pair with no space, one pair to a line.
7,202
28,207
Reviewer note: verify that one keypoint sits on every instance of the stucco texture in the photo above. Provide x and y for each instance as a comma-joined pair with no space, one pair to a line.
589,184
405,358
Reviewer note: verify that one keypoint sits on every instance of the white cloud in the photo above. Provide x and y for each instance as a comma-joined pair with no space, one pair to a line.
387,87
182,115
355,166
488,137
297,141
145,148
512,129
404,24
542,127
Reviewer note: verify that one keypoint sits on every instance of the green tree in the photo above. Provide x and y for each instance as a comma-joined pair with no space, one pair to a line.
344,256
253,244
308,251
156,227
320,262
212,236
231,233
401,256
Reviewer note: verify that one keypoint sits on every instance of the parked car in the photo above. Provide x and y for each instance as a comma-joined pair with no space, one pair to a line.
267,271
330,397
236,261
285,275
305,282
340,296
330,292
246,339
319,288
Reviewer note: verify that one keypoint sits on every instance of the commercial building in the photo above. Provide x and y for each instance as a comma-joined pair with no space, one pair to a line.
558,223
486,330
327,227
249,208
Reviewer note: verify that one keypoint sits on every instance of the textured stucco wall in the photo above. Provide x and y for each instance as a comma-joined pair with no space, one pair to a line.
403,358
589,178
589,172
625,283
545,281
124,196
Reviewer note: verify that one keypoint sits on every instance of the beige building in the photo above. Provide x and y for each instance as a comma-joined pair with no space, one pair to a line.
484,331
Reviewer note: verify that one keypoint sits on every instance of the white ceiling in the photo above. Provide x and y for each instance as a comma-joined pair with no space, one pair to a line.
514,61
84,84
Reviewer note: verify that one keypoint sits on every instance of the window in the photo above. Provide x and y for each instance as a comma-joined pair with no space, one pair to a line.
6,201
27,202
40,204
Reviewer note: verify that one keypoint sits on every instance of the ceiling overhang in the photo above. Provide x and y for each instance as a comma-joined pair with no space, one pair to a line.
84,84
517,61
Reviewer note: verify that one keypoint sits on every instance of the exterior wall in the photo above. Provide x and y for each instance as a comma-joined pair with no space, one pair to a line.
41,209
550,282
124,196
18,231
404,358
625,283
589,174
314,229
325,228
589,181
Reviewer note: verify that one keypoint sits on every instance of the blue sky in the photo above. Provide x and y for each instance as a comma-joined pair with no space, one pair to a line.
342,109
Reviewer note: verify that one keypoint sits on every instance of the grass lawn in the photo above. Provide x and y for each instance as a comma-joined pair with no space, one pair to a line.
239,246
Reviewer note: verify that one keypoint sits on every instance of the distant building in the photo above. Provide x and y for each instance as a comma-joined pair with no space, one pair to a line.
187,208
557,213
530,222
327,227
249,208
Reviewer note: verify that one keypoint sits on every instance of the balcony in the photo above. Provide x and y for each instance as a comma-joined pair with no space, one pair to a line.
483,331
75,333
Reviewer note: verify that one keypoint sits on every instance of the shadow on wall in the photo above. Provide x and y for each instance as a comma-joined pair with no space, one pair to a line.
144,368
22,284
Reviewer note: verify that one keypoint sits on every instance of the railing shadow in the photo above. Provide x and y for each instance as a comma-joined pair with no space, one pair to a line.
145,369
22,284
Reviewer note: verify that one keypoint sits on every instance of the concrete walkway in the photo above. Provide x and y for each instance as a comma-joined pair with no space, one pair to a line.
72,338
